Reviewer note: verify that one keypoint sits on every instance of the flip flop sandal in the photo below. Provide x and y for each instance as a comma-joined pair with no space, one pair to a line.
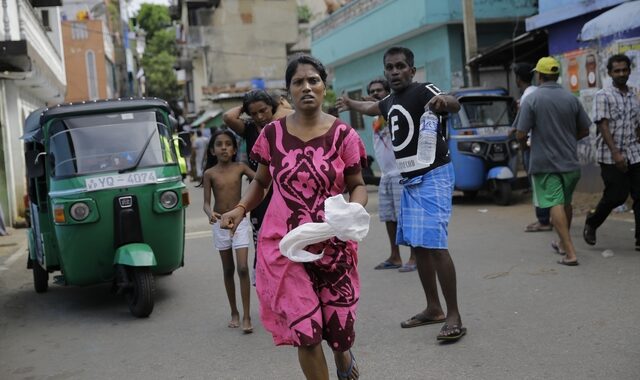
537,227
418,320
347,374
387,265
408,268
462,331
556,248
568,263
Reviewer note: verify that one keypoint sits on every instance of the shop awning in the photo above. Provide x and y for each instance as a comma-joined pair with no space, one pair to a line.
572,9
527,47
620,19
206,116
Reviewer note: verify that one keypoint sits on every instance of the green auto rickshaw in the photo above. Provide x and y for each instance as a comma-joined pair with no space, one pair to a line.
106,196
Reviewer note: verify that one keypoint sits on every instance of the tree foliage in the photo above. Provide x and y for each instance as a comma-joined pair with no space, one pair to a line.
160,52
329,98
153,17
160,75
162,41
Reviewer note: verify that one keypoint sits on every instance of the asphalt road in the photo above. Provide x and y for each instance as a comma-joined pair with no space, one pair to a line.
528,318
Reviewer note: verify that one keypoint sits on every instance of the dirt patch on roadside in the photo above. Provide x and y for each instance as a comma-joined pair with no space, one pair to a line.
583,202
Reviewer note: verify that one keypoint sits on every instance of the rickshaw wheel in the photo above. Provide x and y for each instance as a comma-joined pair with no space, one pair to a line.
502,193
40,277
140,296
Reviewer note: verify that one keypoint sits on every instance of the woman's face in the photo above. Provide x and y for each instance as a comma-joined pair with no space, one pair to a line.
306,88
261,113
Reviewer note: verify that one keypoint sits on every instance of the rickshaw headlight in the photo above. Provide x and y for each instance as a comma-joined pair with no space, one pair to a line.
79,211
476,148
514,145
169,199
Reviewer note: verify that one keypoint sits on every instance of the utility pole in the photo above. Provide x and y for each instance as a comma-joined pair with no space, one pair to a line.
470,40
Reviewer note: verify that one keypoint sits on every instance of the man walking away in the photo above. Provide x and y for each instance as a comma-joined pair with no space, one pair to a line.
524,76
556,120
617,115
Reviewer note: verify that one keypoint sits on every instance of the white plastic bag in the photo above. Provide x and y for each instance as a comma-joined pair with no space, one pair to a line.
346,221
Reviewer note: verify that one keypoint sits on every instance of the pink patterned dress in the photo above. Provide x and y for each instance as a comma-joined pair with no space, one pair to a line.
303,303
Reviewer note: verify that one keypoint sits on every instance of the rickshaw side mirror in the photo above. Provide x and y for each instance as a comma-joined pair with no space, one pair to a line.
35,163
180,139
173,122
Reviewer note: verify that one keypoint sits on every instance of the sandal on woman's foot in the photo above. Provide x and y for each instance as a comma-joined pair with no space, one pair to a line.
555,245
451,333
537,227
352,367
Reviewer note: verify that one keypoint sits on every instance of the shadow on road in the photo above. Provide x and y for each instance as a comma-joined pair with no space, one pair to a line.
91,303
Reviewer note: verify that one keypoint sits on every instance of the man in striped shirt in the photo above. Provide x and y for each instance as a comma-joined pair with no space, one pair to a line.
617,115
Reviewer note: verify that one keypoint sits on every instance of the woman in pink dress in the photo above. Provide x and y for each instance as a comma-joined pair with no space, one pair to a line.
307,157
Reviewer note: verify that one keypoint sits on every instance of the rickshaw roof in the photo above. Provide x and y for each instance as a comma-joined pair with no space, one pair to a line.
34,122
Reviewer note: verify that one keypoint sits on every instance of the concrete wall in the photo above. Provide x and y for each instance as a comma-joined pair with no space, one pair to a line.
249,39
16,103
199,77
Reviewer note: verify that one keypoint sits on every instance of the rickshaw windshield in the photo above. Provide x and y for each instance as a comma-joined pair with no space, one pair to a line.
109,142
485,113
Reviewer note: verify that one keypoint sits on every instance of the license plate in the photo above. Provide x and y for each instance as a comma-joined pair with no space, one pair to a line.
120,180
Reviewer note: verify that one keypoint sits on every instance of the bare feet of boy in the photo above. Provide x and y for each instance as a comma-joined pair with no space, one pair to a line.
247,328
235,321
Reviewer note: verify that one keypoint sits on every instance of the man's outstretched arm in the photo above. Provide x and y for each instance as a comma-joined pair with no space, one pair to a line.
345,103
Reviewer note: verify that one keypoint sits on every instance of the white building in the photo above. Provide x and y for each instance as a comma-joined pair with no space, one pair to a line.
32,75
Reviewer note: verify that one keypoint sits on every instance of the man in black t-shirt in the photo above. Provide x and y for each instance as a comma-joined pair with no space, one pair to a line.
428,188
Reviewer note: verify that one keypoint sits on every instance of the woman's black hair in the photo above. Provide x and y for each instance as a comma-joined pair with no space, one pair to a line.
211,160
258,96
301,59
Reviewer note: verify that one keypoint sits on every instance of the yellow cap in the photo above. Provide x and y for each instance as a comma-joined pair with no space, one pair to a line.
547,65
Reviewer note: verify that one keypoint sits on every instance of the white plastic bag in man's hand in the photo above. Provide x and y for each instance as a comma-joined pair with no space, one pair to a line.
346,221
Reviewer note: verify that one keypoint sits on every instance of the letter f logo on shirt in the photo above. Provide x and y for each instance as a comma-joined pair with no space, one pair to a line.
405,127
394,127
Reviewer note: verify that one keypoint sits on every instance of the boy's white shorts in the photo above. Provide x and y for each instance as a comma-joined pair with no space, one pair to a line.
222,238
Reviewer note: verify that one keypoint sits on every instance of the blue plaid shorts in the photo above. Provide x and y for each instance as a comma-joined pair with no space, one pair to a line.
426,209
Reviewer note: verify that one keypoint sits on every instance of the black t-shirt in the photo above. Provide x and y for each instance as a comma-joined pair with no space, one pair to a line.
250,136
402,110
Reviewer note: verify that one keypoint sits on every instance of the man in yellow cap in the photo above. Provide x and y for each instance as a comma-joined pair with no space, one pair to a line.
556,120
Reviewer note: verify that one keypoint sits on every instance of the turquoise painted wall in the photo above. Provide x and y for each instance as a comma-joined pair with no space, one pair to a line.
400,19
495,9
393,18
547,5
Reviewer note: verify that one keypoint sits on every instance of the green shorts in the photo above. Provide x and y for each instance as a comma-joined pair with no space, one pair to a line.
552,189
